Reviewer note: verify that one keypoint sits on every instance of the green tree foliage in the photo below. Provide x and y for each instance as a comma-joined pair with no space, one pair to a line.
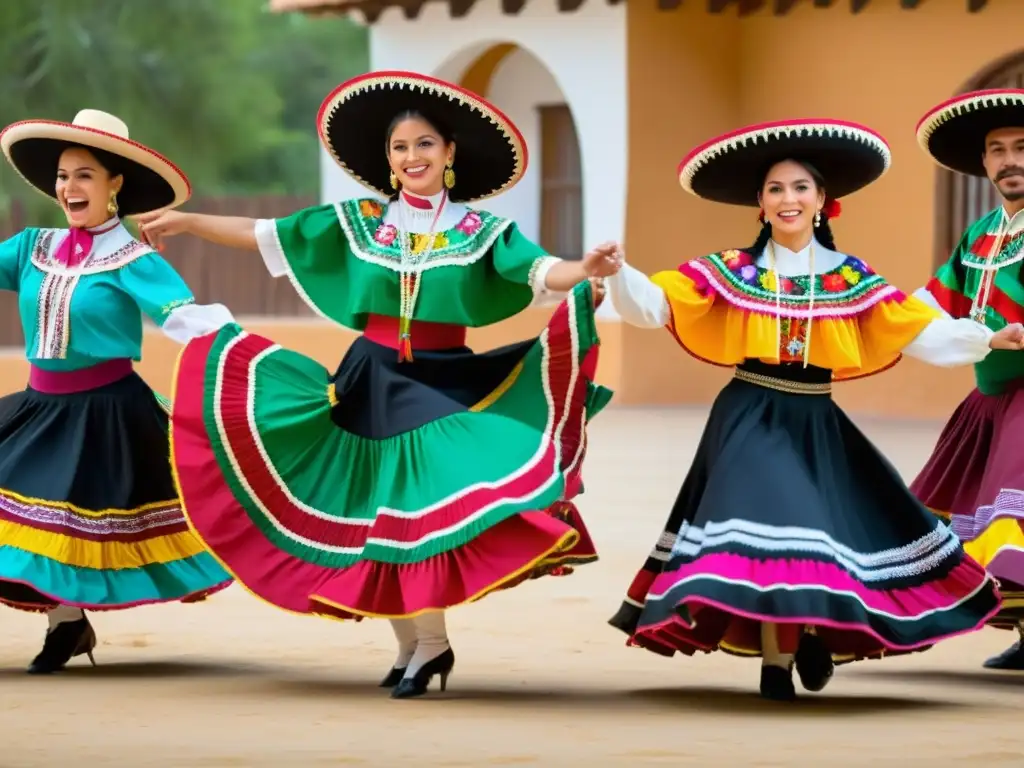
224,88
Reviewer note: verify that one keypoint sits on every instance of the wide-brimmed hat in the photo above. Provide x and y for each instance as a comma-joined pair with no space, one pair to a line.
151,181
490,155
954,132
731,168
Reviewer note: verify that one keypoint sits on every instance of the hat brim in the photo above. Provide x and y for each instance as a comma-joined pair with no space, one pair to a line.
731,167
491,155
954,132
151,181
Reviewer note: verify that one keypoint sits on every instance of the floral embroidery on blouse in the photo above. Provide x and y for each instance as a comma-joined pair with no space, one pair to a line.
847,275
385,234
170,306
470,223
420,242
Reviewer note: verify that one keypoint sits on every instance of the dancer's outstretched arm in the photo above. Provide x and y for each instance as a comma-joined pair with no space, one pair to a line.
949,342
638,301
232,231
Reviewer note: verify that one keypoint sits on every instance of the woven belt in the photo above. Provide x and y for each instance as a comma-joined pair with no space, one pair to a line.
784,385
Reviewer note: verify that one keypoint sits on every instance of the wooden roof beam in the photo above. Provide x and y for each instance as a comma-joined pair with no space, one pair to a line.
459,8
746,7
411,9
372,11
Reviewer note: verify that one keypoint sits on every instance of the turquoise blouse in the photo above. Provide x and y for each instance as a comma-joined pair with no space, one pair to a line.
78,317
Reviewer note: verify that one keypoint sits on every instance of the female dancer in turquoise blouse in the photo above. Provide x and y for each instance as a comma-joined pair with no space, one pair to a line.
89,514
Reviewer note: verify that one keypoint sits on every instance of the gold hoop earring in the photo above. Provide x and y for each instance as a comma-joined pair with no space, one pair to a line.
449,177
112,205
394,181
817,219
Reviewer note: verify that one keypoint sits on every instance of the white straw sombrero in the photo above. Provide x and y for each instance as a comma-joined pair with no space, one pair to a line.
151,181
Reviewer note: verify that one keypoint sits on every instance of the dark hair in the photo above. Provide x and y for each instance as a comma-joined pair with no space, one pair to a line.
823,232
446,134
110,162
443,130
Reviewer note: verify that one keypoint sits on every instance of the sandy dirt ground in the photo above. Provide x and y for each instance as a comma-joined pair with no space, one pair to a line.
541,679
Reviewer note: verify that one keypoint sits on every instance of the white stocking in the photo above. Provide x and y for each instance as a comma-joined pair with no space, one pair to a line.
405,634
63,613
431,640
770,656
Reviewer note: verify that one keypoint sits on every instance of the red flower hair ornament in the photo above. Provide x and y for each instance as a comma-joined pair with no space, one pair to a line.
831,209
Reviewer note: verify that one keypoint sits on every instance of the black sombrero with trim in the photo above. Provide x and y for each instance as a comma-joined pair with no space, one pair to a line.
151,181
954,132
490,154
731,167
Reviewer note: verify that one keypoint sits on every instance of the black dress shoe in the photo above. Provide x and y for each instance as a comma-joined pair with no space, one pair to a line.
393,678
813,663
65,641
777,683
410,687
1012,659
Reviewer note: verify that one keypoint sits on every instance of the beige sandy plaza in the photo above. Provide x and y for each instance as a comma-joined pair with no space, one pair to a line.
541,679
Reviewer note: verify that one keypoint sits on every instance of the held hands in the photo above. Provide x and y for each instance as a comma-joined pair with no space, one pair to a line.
156,225
1010,337
603,261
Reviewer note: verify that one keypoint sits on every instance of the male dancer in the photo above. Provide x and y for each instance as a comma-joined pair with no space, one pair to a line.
976,473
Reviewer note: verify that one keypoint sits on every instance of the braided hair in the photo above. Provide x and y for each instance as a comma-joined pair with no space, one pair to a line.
822,232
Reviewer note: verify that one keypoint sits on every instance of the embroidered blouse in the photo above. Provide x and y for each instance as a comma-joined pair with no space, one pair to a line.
982,279
77,317
344,260
724,308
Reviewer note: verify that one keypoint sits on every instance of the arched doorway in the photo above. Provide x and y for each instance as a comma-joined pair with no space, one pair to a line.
548,204
963,199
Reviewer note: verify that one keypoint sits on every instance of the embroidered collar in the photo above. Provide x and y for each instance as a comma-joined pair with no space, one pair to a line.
112,248
1008,218
419,204
995,228
107,226
417,213
795,263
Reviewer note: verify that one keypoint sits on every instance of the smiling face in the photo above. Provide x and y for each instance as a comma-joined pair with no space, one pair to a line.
1004,162
84,188
418,155
790,198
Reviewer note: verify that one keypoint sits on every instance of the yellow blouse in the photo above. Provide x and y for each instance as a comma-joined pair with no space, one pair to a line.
726,310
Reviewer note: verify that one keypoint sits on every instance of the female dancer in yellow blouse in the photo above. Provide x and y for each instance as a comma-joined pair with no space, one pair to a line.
792,537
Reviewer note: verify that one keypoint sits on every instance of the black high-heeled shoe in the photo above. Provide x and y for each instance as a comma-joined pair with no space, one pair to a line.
410,687
814,663
777,683
65,641
393,678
